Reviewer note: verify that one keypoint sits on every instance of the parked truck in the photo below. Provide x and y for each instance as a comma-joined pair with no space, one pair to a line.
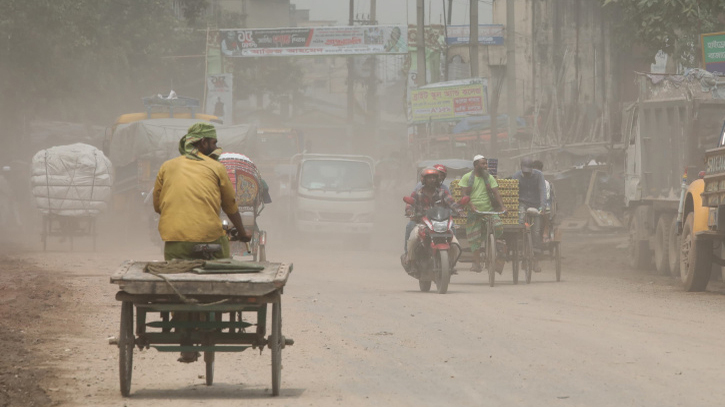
665,134
703,220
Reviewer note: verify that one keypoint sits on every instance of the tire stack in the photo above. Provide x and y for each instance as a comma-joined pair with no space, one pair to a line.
509,191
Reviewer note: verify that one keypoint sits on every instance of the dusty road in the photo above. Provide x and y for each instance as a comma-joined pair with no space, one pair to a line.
365,335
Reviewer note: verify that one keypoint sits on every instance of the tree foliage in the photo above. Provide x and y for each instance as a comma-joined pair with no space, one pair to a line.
673,26
88,60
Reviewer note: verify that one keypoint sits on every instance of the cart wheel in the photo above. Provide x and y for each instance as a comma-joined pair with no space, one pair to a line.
424,285
125,347
515,260
44,235
209,359
444,277
528,256
275,344
491,259
557,259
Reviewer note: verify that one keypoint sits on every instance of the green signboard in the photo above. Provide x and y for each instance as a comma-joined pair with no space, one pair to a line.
713,52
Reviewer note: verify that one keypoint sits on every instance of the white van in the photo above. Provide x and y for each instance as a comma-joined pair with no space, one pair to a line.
334,194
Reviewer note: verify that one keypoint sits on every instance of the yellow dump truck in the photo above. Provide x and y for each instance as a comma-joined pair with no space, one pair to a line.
702,213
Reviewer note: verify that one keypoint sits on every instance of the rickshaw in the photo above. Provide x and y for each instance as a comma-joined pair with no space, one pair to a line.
250,195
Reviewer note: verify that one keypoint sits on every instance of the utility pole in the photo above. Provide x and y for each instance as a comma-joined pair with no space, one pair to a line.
420,43
450,10
511,66
351,75
372,95
473,39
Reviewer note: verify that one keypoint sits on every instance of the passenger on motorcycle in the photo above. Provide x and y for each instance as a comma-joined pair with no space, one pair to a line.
431,194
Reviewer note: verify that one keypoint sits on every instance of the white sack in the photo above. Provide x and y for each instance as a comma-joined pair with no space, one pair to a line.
71,180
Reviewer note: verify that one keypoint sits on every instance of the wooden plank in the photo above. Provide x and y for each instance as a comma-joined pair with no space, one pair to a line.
131,278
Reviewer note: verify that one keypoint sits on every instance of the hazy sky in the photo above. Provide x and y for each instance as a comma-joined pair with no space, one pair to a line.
393,11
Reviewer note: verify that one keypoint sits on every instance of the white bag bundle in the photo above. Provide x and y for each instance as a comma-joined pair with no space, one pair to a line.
71,180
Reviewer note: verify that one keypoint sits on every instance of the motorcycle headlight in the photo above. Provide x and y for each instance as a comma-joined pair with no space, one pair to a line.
440,226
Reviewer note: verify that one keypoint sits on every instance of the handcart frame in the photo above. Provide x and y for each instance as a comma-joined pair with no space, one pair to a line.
200,313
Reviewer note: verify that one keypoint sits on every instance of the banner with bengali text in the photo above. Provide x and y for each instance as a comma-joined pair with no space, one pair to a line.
315,41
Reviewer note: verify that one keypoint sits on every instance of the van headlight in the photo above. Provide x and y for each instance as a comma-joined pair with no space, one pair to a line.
440,226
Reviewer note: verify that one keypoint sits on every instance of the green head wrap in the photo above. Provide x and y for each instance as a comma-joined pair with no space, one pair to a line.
195,133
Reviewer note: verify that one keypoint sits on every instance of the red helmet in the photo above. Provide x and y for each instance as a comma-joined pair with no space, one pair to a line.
442,169
428,171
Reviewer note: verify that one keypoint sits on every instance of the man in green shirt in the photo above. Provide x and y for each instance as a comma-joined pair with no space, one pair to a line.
482,188
188,193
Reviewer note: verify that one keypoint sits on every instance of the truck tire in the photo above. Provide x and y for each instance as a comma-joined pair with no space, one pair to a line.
674,251
639,252
696,258
662,245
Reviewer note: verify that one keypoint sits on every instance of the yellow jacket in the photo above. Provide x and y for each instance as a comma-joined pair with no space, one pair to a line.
188,194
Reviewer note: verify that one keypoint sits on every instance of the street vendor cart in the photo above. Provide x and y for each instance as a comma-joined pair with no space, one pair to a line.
200,306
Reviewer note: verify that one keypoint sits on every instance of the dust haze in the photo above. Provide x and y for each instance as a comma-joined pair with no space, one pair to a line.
611,317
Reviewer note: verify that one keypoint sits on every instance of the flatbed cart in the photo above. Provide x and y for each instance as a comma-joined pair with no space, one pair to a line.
67,227
200,312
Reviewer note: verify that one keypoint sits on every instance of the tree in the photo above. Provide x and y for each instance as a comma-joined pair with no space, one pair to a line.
86,60
673,26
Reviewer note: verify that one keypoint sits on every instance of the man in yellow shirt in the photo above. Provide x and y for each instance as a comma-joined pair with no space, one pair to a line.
188,193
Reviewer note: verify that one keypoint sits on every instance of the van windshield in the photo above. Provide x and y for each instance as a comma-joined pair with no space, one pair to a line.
336,175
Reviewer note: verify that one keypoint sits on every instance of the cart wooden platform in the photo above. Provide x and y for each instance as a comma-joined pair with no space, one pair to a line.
191,312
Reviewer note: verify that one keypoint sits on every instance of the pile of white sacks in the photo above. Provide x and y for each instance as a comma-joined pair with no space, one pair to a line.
71,180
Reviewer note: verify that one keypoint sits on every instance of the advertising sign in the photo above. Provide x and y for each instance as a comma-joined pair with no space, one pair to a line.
447,102
344,40
219,96
713,52
488,34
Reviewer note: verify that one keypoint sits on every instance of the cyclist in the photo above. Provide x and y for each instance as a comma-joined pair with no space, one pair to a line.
482,188
532,194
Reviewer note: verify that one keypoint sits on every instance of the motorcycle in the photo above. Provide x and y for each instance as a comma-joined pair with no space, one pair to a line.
432,259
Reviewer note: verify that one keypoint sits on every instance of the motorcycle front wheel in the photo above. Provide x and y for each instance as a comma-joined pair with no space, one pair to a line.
443,271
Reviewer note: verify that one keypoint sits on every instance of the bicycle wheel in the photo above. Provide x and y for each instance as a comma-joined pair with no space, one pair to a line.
491,259
528,256
557,259
515,259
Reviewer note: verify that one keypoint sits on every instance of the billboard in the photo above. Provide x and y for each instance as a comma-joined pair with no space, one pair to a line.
713,52
488,34
441,103
314,41
219,96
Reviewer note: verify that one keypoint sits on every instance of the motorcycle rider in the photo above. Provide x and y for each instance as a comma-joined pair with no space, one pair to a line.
442,172
429,195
